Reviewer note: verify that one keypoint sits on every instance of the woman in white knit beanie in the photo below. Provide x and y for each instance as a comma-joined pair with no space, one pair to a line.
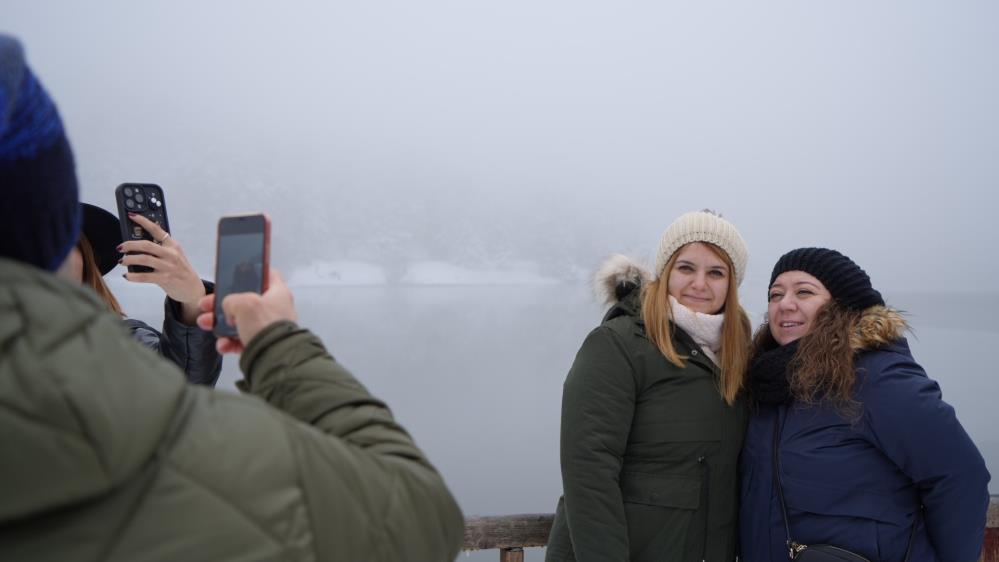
653,415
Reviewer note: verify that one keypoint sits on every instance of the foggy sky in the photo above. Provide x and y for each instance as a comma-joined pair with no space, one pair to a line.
398,130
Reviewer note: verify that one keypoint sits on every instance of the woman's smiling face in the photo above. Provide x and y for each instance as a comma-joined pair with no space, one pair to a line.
794,300
699,278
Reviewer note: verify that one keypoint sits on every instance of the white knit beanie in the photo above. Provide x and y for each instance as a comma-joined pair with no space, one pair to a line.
703,226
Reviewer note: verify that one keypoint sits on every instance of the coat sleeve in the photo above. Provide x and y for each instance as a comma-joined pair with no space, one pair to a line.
189,347
372,494
143,333
598,402
909,421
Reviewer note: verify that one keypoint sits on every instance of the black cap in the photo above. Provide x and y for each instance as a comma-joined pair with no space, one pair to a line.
849,285
103,231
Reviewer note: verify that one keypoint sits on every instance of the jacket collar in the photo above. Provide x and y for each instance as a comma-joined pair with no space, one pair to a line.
618,282
878,327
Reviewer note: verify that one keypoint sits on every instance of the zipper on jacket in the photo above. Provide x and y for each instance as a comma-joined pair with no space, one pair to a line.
705,498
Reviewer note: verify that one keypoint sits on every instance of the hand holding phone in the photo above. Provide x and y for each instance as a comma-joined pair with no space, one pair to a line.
250,312
241,262
145,199
168,267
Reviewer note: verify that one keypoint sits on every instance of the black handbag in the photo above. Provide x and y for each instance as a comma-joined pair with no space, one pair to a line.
817,552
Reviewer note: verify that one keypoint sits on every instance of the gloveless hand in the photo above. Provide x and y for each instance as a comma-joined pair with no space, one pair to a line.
171,269
249,312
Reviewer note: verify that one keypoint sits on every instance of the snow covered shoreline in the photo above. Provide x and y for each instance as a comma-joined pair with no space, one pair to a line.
358,273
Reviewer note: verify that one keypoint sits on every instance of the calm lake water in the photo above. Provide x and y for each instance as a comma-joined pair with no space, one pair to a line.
475,372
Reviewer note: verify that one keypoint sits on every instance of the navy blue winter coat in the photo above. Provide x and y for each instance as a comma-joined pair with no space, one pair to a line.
860,484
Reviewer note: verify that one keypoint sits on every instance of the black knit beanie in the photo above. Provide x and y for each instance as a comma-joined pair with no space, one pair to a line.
40,214
849,285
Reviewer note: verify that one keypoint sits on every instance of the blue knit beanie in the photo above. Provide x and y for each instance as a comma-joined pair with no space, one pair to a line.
40,213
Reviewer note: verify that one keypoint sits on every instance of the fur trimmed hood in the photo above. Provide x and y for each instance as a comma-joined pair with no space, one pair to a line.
617,277
878,326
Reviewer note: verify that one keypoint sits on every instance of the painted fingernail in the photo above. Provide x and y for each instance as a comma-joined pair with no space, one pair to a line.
118,247
121,261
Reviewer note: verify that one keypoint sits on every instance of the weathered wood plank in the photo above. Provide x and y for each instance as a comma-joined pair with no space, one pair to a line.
507,531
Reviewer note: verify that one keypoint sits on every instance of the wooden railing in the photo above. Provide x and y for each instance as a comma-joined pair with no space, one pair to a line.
511,534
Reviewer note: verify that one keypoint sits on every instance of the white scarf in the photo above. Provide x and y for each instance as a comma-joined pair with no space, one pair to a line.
705,329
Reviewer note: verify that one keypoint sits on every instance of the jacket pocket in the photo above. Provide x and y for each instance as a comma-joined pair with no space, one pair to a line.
812,497
659,510
676,431
848,518
675,444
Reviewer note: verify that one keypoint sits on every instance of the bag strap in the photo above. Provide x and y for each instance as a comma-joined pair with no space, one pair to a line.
912,533
793,547
780,488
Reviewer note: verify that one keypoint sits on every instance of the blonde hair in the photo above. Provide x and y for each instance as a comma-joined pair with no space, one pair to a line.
92,276
736,329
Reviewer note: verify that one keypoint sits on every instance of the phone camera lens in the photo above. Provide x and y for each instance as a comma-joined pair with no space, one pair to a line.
139,198
127,191
130,204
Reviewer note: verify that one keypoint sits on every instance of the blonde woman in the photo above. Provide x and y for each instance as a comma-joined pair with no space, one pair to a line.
652,409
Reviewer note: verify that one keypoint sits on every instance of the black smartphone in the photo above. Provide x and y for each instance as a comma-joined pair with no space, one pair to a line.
145,199
242,259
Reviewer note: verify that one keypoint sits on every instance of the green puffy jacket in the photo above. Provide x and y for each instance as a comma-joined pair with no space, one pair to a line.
649,451
106,453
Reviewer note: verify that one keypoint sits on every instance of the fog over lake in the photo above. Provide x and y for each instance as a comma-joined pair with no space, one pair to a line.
443,177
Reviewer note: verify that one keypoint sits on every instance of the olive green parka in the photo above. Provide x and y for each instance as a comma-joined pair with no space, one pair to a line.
649,450
107,454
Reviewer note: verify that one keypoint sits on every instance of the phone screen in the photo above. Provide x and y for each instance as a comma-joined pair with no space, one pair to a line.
240,265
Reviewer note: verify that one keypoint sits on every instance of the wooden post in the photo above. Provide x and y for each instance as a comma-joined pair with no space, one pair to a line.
515,554
990,550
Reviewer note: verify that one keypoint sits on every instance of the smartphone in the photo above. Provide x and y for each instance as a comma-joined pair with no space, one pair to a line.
242,259
145,199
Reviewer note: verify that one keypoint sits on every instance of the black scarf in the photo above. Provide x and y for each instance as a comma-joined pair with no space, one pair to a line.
768,377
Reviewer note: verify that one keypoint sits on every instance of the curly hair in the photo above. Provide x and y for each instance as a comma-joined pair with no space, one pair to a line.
822,369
